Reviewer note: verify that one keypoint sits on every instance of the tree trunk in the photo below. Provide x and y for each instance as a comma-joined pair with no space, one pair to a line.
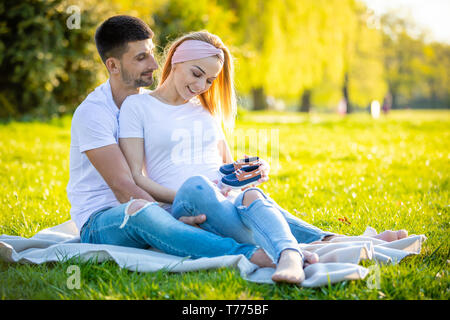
393,91
259,99
345,93
305,105
433,95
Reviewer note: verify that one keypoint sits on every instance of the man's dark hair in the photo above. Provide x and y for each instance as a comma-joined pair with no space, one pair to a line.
113,35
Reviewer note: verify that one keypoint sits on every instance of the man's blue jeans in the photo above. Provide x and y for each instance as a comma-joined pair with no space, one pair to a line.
263,222
152,226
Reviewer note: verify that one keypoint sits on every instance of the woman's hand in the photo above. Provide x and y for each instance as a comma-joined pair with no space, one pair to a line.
264,168
225,190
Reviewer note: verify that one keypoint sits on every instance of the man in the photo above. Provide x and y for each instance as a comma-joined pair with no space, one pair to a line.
107,206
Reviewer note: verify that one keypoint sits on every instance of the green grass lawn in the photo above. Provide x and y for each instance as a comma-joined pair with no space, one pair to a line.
389,173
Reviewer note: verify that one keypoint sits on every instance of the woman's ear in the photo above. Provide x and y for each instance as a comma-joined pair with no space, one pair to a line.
113,65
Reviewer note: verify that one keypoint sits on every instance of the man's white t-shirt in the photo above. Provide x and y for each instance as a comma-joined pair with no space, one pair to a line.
179,141
94,125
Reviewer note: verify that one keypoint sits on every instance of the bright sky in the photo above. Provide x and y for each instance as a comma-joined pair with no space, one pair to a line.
434,15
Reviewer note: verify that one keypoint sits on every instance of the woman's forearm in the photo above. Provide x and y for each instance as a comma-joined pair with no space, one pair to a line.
224,152
156,190
127,189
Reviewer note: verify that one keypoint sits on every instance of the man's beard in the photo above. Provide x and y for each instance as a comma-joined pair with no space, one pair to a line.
132,81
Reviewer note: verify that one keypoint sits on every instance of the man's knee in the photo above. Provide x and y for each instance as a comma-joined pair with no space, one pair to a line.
250,196
135,205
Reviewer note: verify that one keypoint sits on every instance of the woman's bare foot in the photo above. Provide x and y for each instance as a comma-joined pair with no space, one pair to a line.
261,259
289,268
387,235
390,235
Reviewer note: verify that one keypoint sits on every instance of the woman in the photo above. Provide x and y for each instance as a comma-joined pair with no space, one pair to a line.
174,134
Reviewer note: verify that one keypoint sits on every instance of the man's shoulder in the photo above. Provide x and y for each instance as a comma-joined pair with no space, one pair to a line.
95,104
89,110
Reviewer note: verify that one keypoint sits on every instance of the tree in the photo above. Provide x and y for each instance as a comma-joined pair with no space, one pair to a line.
295,48
276,56
416,71
366,79
45,61
170,22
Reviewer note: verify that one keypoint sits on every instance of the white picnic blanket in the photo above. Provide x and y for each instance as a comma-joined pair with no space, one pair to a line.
339,258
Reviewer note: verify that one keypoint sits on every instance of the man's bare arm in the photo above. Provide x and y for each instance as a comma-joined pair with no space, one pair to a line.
112,166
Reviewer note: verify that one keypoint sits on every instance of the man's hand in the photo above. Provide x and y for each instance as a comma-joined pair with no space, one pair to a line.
193,221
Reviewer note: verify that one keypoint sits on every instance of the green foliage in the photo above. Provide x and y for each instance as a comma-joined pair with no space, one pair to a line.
170,22
288,47
417,72
295,50
389,173
45,66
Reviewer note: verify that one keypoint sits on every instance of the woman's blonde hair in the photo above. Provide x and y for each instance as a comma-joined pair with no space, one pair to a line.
220,99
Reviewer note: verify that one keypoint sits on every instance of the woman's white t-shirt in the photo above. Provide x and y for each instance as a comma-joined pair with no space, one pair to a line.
179,141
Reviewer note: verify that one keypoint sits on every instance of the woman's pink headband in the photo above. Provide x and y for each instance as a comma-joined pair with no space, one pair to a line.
195,49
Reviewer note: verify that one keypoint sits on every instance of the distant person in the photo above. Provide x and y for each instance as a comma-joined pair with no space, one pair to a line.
342,106
375,109
387,103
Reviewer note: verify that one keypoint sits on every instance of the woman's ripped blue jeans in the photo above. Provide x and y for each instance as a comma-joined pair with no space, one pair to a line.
263,222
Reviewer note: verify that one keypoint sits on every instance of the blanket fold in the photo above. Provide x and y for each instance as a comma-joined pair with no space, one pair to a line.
339,258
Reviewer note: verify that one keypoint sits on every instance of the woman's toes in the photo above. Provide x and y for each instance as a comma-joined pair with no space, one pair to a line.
311,257
401,234
387,235
390,235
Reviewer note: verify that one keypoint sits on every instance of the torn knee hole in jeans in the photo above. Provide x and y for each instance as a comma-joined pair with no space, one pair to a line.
136,206
253,197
